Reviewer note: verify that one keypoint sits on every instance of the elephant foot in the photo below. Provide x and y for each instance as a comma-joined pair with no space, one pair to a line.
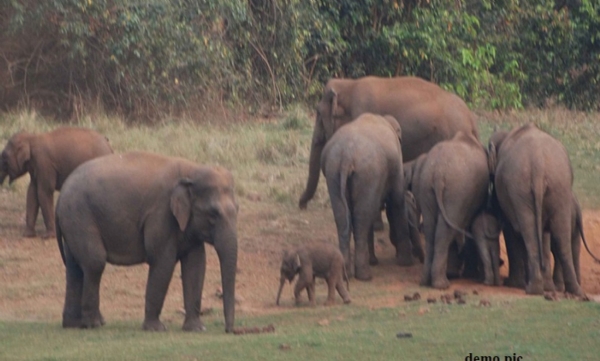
549,286
93,322
534,288
405,260
488,282
193,325
154,325
29,233
559,287
49,234
347,301
363,275
329,303
69,322
575,289
373,261
441,284
515,283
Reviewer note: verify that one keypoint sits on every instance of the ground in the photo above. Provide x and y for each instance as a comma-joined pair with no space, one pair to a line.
32,276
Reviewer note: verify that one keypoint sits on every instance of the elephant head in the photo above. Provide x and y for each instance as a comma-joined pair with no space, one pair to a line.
205,208
290,266
15,157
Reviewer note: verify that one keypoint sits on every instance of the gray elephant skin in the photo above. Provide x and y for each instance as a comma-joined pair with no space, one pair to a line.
533,182
49,158
362,163
323,260
426,113
138,207
450,185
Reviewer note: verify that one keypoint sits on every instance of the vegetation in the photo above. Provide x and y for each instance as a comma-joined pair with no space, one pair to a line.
146,59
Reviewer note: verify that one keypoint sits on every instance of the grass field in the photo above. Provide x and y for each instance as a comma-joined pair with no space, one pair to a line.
269,158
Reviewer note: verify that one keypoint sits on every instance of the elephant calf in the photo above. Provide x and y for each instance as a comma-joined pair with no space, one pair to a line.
49,158
322,260
486,229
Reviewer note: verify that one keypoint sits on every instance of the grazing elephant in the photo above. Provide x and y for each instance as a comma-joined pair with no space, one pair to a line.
137,207
322,260
486,229
533,181
450,184
362,164
49,158
427,115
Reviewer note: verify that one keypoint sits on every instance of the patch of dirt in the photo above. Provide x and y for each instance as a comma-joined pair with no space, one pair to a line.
32,276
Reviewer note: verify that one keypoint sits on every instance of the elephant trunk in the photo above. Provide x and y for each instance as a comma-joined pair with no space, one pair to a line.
281,283
314,165
226,247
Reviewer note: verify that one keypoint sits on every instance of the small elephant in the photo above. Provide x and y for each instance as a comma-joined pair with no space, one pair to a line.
49,158
362,164
322,260
450,185
533,181
139,207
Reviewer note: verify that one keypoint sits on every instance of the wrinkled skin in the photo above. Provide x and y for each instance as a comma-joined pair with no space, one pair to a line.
533,182
362,164
49,158
144,208
322,260
426,113
450,185
486,229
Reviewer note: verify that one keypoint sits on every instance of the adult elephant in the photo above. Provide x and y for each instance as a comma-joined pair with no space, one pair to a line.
533,181
426,113
141,207
49,158
362,164
450,185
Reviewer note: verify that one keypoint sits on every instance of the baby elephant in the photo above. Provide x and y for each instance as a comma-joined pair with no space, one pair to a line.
322,260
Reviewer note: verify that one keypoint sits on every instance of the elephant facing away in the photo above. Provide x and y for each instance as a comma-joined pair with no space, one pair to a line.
138,207
49,158
533,182
362,164
450,185
426,113
323,260
486,229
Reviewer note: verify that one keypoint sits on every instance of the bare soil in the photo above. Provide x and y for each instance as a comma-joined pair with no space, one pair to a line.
32,276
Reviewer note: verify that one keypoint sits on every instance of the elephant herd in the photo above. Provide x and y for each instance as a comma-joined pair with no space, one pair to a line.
400,144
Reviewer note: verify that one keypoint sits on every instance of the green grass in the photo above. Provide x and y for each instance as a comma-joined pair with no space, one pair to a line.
533,328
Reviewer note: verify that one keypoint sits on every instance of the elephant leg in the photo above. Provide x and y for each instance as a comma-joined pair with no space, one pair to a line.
159,276
547,273
429,227
300,286
378,223
341,215
74,292
90,302
561,237
444,236
32,210
193,269
454,258
373,261
515,251
535,282
485,254
341,288
557,275
576,251
45,194
362,231
400,235
310,289
331,284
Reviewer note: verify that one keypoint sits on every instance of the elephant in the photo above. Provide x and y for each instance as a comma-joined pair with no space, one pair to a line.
533,181
362,163
427,115
322,260
450,185
140,207
49,158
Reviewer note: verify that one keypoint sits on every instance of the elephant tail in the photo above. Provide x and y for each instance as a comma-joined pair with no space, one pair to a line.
579,225
438,190
344,174
59,239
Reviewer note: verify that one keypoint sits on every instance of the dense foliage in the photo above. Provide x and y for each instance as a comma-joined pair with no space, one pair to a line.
142,58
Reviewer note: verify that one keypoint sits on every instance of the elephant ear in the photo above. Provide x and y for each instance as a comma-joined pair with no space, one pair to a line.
394,123
23,154
181,203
